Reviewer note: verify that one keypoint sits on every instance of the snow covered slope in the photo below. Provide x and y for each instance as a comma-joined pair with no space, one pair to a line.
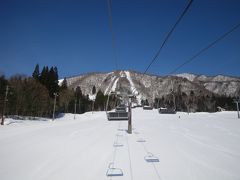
196,146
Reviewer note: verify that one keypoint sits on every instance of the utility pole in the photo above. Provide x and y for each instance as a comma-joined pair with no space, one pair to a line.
158,103
106,108
54,106
79,107
93,105
130,116
4,105
237,101
75,107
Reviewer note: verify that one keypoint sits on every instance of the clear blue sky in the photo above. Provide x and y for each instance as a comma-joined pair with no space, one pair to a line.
74,35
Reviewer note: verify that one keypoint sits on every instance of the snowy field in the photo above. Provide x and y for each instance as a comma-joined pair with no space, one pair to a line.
199,146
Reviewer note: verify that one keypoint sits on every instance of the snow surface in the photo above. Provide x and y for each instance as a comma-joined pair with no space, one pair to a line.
199,146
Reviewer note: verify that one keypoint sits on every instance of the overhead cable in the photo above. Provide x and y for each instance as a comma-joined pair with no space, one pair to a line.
206,48
112,32
168,35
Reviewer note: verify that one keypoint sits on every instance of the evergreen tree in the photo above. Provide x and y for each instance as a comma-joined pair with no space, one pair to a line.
100,101
79,98
3,84
146,103
52,82
64,84
56,72
44,76
36,74
94,90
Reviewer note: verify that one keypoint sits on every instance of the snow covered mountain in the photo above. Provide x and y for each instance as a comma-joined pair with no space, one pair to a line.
152,86
221,85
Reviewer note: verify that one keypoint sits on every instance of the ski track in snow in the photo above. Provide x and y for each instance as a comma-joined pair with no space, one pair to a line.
130,80
196,146
113,79
133,88
114,84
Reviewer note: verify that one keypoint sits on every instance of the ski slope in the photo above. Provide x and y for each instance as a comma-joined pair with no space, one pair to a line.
199,146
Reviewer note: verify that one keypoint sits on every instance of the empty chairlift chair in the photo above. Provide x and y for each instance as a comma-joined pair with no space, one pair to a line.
117,116
141,140
112,171
151,158
166,110
117,144
120,114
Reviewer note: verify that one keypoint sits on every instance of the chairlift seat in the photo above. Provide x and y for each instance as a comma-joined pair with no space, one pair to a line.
141,140
147,108
114,171
117,144
166,111
151,158
117,116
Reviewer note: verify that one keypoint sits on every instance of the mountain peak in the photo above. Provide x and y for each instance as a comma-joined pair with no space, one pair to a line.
188,76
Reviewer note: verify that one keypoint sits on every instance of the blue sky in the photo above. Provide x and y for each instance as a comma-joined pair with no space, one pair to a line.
74,35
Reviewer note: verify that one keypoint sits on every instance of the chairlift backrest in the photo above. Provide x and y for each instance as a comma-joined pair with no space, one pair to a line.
117,116
166,111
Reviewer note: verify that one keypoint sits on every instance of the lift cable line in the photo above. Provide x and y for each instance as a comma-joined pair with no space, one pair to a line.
112,32
206,48
168,35
113,44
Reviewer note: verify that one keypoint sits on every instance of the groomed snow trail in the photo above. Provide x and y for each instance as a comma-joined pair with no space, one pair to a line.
196,146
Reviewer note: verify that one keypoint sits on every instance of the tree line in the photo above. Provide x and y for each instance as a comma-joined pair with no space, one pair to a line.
195,103
34,96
